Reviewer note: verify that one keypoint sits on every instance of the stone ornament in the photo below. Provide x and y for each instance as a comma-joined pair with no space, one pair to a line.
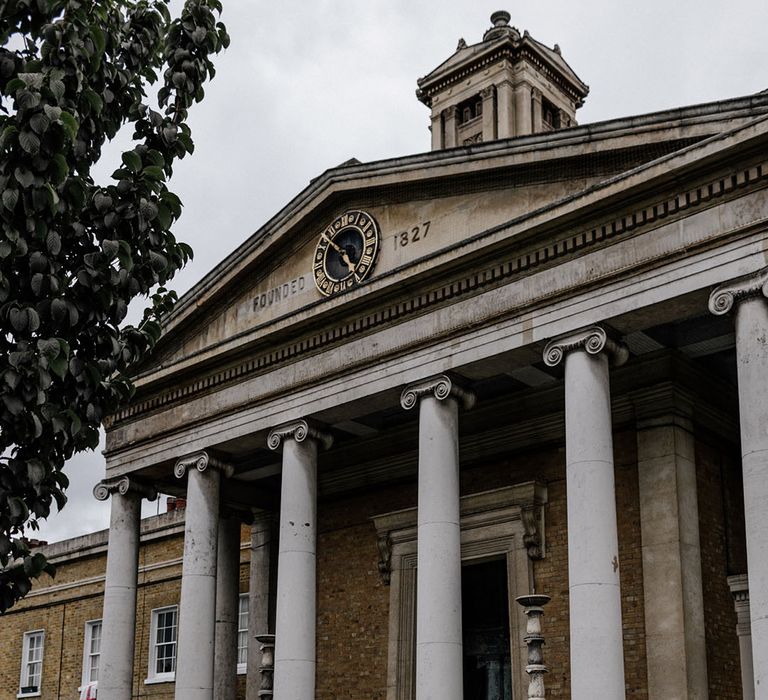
533,607
593,340
441,387
201,461
299,431
124,486
723,298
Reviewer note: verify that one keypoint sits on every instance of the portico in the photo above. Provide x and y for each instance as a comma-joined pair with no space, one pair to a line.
522,373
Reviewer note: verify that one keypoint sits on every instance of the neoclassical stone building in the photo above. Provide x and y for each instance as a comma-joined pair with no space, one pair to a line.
534,359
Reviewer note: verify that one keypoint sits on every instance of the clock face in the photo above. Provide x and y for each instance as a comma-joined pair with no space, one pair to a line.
346,252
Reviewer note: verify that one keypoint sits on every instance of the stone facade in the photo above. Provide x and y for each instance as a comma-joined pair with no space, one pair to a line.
544,356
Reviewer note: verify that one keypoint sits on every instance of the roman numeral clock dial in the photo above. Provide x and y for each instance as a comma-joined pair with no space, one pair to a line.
346,252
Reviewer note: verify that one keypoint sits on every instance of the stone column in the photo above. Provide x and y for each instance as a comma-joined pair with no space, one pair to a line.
523,123
227,608
258,598
672,580
597,650
740,591
746,297
297,560
489,113
197,608
505,112
436,129
451,126
537,119
119,615
439,657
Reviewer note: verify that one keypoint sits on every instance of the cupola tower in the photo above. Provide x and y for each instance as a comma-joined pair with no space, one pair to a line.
506,85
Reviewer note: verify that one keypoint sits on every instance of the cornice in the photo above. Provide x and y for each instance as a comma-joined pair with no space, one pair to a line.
299,430
505,269
513,53
125,486
201,461
593,340
725,297
441,387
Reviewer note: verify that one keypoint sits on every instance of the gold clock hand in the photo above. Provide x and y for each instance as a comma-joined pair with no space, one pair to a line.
341,252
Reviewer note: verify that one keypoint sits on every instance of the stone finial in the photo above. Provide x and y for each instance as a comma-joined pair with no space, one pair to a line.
500,21
267,666
298,430
201,461
124,486
723,298
593,339
441,386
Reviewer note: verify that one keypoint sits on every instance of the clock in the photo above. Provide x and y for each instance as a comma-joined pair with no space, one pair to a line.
346,252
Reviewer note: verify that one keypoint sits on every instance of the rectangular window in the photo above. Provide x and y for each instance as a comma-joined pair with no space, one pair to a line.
32,663
242,633
162,652
91,652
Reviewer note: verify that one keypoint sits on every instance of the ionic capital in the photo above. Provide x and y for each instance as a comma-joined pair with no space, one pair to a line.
441,387
593,340
125,486
451,112
723,299
201,461
488,92
298,430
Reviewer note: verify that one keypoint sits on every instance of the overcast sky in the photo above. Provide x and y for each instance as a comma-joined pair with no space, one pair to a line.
305,86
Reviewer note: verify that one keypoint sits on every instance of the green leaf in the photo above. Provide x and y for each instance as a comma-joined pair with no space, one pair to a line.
153,172
94,100
24,176
132,160
53,243
39,122
70,124
58,88
10,197
59,366
5,137
30,142
60,169
99,39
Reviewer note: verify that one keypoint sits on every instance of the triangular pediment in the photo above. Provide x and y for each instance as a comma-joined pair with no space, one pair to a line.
432,211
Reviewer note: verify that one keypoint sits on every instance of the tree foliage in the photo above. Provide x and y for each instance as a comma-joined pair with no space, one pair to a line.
74,253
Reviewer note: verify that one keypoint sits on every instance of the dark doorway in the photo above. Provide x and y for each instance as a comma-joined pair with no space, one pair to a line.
485,621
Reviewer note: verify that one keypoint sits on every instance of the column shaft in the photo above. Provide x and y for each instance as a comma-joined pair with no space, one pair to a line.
523,122
439,657
295,624
597,660
194,669
227,605
258,600
505,111
752,361
672,580
119,617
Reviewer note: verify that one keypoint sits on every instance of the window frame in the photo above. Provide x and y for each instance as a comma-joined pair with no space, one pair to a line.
24,671
502,522
242,667
152,675
85,678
